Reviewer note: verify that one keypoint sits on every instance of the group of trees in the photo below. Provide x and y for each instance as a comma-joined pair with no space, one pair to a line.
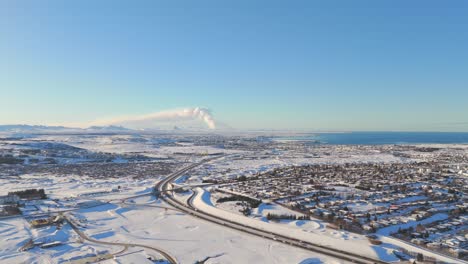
30,194
254,203
369,217
271,216
9,159
242,178
210,181
408,231
11,210
247,203
246,210
458,211
362,187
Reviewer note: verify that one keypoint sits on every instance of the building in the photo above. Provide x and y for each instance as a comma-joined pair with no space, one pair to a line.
9,199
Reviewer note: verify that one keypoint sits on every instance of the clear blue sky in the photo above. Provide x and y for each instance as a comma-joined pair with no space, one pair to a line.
318,65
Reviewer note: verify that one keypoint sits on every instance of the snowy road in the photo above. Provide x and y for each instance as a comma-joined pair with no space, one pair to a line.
166,255
163,187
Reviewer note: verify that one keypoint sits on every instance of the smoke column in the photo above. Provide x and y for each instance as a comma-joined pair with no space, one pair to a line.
150,120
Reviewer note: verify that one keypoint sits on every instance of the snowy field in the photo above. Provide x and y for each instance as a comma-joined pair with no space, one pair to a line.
104,213
84,187
164,147
187,238
315,231
16,232
138,221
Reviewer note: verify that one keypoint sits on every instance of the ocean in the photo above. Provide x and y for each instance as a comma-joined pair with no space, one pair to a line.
381,138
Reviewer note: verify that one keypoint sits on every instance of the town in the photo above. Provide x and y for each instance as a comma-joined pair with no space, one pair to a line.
409,201
423,203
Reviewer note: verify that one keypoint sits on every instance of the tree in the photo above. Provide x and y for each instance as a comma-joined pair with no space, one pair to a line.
246,211
420,228
11,210
242,178
331,216
420,257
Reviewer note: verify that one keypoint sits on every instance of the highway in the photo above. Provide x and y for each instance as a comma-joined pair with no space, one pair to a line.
163,187
124,201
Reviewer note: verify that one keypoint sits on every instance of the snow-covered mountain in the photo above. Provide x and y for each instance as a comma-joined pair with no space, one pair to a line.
108,128
31,128
41,129
59,129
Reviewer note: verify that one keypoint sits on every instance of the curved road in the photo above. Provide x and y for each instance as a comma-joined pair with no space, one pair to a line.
169,258
163,188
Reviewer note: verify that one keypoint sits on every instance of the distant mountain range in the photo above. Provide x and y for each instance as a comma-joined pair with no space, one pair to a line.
44,129
109,128
40,129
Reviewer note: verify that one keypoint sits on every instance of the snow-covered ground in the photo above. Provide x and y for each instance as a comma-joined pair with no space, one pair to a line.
187,238
61,187
332,239
249,163
315,232
14,233
394,228
153,147
144,220
260,212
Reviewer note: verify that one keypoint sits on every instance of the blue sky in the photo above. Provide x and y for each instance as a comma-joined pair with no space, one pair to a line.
316,65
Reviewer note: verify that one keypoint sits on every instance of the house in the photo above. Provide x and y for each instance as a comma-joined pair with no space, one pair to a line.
434,245
458,252
418,241
9,199
452,242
